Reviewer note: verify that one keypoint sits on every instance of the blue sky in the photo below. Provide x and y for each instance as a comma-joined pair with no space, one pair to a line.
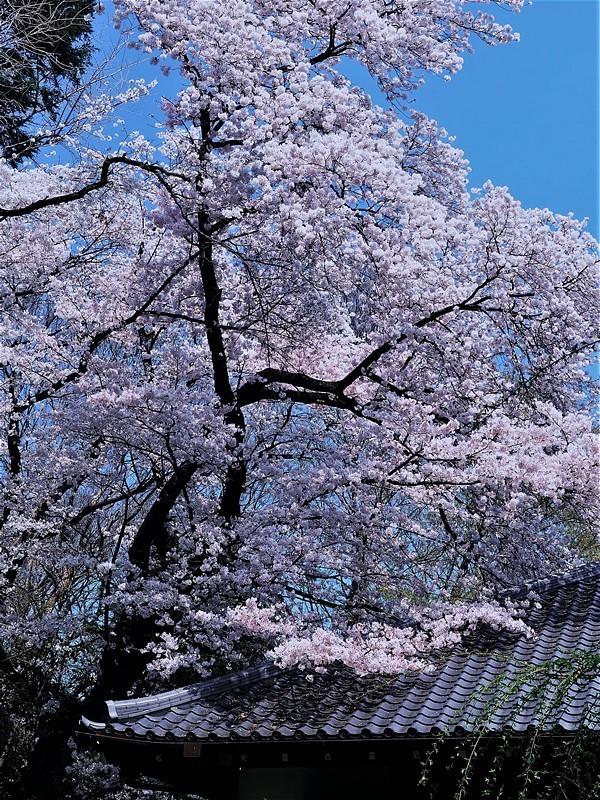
526,114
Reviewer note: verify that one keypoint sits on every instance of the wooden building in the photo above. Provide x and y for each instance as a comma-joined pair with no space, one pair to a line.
487,711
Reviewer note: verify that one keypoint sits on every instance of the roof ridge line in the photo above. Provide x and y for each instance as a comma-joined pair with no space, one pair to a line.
550,582
157,702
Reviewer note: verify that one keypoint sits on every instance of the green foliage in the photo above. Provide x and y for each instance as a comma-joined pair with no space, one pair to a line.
44,50
545,762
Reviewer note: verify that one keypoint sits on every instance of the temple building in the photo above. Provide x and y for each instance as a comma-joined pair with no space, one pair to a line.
499,705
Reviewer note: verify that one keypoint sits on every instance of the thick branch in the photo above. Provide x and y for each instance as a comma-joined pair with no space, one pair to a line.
152,532
78,194
332,50
235,480
332,392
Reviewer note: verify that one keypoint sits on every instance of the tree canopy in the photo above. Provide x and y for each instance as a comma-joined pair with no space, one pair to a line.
273,381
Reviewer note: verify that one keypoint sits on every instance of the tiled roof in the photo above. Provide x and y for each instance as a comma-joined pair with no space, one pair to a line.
501,682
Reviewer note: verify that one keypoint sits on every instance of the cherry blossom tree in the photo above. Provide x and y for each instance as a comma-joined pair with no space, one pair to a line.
274,382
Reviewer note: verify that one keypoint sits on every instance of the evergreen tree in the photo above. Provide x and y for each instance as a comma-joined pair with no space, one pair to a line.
44,49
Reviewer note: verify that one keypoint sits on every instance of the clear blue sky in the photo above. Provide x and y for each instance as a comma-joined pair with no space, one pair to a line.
526,114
